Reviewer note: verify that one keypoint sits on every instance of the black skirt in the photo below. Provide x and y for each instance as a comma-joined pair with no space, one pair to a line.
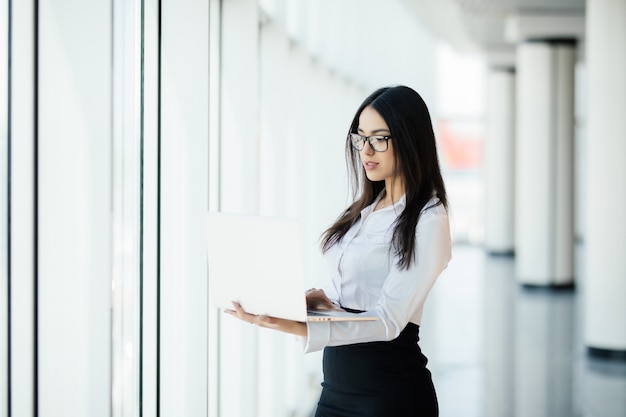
378,379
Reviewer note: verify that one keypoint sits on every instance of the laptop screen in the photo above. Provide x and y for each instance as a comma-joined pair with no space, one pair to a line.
256,261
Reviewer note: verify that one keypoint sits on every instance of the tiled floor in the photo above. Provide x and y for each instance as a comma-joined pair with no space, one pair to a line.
498,349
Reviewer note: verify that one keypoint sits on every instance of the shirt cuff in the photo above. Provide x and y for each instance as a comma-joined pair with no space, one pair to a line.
318,336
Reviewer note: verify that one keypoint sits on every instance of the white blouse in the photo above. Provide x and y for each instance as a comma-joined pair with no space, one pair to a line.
364,276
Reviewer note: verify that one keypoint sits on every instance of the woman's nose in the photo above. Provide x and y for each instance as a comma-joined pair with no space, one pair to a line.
367,148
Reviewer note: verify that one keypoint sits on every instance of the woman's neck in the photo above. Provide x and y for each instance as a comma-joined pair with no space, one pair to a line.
394,189
391,194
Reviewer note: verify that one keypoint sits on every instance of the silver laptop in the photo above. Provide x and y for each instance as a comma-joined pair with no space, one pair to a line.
257,261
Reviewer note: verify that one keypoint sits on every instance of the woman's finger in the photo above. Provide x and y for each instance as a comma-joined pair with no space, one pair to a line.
318,300
240,313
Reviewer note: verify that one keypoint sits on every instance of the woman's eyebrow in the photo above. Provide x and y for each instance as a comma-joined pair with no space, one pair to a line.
375,131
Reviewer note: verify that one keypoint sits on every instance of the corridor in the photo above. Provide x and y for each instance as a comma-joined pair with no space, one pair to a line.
498,349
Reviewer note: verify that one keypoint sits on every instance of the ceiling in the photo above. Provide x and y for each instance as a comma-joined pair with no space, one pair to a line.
479,25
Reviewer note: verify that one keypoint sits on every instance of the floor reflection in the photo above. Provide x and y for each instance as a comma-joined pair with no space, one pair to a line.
498,349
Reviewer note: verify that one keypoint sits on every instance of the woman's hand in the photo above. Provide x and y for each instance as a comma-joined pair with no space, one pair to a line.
318,300
287,326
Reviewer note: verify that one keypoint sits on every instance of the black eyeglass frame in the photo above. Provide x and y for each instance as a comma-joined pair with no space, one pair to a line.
355,139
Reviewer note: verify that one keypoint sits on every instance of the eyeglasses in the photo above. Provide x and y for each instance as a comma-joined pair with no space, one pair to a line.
377,143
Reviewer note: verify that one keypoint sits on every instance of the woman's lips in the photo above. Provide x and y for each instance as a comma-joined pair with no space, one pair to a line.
369,165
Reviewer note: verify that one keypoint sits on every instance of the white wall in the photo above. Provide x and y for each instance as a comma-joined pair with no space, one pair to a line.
183,204
4,227
74,208
21,207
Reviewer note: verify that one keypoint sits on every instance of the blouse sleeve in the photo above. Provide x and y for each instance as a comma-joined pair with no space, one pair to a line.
403,293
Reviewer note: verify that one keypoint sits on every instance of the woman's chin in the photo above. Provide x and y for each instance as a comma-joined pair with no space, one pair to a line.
373,177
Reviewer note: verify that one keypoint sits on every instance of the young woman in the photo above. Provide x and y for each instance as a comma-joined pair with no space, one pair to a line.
384,253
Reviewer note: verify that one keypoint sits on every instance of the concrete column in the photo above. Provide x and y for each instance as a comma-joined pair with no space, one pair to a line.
544,226
605,235
500,162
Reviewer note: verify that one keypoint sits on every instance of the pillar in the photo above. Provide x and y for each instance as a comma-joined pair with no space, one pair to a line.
500,161
544,226
605,234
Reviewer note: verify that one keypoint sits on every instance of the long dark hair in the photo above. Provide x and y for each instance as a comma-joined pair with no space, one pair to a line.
415,159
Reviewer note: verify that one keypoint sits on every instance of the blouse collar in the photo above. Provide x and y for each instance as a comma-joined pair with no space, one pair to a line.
398,206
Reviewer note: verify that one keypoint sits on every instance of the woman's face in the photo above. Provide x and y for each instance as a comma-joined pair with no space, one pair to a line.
378,165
